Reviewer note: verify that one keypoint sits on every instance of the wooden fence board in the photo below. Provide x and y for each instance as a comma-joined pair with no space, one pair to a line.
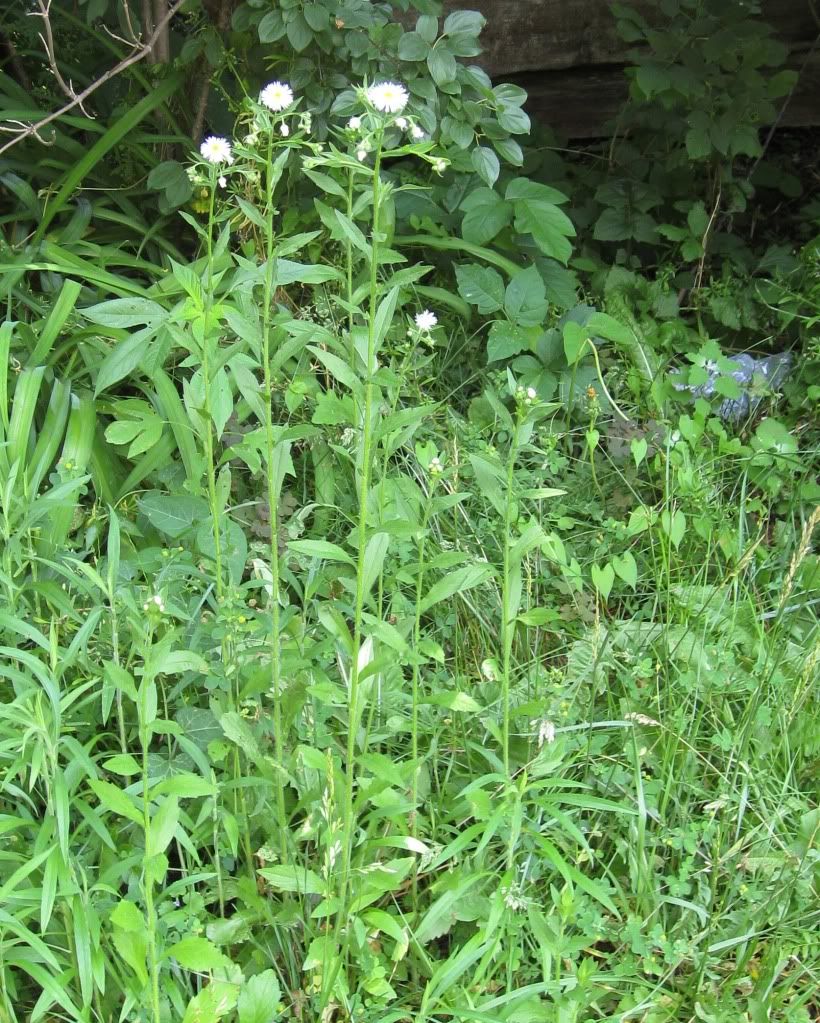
545,35
570,59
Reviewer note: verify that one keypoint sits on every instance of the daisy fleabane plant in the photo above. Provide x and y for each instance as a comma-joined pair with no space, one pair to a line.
276,96
216,150
388,97
426,320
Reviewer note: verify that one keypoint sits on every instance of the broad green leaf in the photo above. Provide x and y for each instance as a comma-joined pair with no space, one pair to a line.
525,298
626,568
481,286
197,953
486,165
459,581
603,578
173,514
294,879
162,827
323,549
259,999
115,800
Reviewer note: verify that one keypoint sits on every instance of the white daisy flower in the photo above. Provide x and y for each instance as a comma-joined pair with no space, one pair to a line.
361,154
276,96
388,97
426,320
354,123
284,130
417,133
401,122
216,150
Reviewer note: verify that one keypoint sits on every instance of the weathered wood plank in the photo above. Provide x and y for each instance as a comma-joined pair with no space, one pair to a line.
541,35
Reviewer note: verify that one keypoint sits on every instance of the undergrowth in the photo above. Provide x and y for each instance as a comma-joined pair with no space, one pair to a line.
407,612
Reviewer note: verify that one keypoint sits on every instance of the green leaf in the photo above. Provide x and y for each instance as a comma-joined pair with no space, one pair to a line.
323,549
294,879
259,999
674,525
413,47
115,800
184,786
468,22
602,579
162,827
442,65
123,764
288,272
124,358
486,214
525,298
374,559
159,92
461,702
338,368
459,581
481,286
626,568
127,917
486,165
212,1003
197,953
506,340
173,514
170,177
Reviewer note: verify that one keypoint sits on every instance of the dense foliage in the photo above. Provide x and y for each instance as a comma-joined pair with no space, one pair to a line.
409,584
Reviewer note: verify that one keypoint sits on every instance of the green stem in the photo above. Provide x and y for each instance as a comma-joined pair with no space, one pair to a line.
270,445
366,449
206,371
148,887
416,686
506,625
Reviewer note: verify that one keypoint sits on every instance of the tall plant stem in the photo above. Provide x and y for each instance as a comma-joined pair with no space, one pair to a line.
366,449
506,624
416,684
270,445
206,372
147,881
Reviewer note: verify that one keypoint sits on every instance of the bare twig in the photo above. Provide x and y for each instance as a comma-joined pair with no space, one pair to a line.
705,240
47,39
28,130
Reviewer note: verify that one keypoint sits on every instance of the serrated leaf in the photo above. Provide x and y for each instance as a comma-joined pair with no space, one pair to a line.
481,286
259,999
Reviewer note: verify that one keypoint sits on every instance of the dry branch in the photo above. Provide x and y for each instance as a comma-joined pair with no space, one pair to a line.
22,131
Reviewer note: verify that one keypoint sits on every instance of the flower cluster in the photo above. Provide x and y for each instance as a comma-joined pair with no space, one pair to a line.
526,396
218,151
155,603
